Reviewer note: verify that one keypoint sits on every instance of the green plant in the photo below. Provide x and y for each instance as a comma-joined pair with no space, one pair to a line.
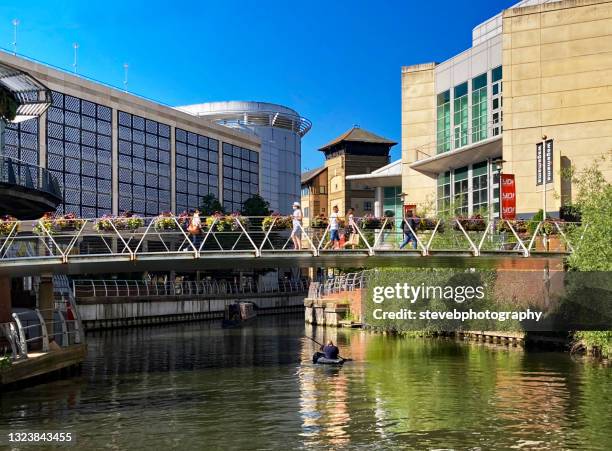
256,206
278,222
210,205
52,223
5,362
8,105
165,221
319,222
8,224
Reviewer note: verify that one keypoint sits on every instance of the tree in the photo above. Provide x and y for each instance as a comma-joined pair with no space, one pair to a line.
210,205
256,206
594,201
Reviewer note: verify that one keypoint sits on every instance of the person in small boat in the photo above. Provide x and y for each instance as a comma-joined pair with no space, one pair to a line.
330,350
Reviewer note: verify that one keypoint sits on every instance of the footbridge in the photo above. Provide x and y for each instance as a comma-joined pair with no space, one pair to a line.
69,245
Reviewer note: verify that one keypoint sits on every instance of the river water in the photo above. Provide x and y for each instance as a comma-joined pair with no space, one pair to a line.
197,386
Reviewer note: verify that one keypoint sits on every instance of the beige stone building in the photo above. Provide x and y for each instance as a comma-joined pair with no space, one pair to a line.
540,68
340,181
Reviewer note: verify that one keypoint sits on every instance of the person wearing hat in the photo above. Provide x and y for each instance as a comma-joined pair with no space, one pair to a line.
296,233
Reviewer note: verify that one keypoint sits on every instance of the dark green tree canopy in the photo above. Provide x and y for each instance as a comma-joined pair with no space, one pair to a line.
210,205
256,206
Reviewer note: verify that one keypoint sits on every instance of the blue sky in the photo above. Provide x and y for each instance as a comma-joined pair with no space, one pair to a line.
336,62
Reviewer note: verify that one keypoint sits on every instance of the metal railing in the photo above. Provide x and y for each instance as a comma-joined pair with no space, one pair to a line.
459,137
29,330
340,283
20,173
62,240
204,288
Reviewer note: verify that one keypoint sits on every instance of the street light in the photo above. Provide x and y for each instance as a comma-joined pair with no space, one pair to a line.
499,164
15,25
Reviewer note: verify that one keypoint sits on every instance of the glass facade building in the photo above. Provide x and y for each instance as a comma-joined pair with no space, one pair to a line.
240,176
475,106
79,154
197,168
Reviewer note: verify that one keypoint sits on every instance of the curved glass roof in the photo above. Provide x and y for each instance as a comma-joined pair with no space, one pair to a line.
34,97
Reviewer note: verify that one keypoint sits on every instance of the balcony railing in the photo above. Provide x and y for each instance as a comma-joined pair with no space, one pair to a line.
20,173
459,137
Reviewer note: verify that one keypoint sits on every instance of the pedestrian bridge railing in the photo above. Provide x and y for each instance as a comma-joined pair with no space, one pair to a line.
68,239
339,283
33,330
205,288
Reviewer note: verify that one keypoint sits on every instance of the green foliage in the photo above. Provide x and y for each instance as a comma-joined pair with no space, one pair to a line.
435,277
8,105
598,342
593,251
256,206
5,362
210,205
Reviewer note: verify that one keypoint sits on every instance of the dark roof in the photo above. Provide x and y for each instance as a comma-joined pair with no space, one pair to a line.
359,135
309,175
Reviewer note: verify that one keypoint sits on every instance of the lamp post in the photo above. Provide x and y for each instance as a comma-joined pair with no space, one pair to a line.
15,25
499,164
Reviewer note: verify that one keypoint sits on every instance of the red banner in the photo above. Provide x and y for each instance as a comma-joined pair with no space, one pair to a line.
508,192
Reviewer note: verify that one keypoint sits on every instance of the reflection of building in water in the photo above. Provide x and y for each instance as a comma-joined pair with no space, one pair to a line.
323,396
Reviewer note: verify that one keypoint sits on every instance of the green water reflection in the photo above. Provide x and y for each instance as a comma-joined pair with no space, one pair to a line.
197,386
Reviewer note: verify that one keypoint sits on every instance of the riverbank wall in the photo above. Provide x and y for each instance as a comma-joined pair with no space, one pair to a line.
107,313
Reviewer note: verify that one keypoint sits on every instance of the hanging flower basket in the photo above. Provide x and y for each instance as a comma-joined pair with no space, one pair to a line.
281,223
165,221
124,222
518,225
370,222
6,225
54,224
474,223
319,222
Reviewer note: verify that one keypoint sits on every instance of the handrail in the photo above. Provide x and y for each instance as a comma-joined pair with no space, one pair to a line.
20,173
66,239
89,288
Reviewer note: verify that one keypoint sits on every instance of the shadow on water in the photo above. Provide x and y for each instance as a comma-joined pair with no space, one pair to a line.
197,386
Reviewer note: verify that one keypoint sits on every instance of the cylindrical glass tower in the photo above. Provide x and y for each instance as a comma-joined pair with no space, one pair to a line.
280,130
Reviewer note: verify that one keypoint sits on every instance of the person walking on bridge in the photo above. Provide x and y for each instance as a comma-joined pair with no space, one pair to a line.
296,232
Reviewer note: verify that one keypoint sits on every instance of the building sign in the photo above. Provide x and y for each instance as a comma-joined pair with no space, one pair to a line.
539,164
548,161
508,203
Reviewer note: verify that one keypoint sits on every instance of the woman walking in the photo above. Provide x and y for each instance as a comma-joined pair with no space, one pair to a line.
296,232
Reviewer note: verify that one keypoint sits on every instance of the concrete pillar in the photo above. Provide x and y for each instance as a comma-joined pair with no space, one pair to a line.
378,202
45,302
5,300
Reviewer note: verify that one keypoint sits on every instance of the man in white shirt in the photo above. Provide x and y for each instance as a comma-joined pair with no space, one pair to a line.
334,228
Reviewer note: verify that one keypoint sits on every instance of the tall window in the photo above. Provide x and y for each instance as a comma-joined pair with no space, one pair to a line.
240,176
460,190
197,169
480,196
460,115
144,165
443,128
444,192
21,141
79,148
479,108
496,100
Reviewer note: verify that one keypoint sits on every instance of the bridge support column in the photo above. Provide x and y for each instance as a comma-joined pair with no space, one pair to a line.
45,302
5,300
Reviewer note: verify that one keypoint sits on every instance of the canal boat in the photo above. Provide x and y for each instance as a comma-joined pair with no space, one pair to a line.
320,359
238,314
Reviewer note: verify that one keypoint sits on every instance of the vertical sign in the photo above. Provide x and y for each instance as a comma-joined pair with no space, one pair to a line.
548,161
508,202
539,164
